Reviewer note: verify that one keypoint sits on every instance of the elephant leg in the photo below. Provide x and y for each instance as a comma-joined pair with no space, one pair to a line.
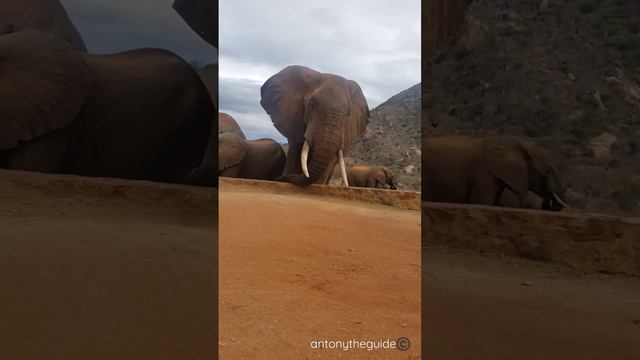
292,166
45,153
483,190
326,176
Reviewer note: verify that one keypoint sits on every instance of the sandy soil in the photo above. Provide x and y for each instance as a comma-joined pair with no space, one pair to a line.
298,268
480,307
100,278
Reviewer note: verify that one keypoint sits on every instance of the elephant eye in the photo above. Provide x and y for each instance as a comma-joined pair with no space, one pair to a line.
313,102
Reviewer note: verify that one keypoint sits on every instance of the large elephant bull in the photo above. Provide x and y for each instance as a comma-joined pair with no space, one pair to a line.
320,114
141,114
478,170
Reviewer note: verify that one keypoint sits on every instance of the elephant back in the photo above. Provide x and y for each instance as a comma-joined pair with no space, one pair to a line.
226,123
43,85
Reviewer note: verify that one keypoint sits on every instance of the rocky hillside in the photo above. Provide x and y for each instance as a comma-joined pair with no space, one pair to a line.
564,74
393,138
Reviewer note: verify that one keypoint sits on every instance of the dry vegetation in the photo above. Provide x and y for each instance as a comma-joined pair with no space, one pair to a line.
393,139
565,75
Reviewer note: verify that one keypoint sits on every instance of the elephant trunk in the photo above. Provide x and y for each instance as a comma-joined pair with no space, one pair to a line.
321,148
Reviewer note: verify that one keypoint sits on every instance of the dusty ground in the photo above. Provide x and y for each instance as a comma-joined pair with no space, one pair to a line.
296,268
85,277
480,307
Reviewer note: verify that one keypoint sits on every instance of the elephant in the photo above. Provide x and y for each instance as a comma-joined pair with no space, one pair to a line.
226,123
320,114
207,172
45,15
477,171
371,176
201,16
140,114
261,159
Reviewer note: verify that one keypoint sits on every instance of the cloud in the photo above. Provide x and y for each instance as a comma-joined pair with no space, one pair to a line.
113,26
374,42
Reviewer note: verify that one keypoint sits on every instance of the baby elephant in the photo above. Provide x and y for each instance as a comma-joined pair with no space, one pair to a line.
371,176
261,159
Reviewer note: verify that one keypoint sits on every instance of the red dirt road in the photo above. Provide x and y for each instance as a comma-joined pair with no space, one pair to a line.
480,307
99,277
299,268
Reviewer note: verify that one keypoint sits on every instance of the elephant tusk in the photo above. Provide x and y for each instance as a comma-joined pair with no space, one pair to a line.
304,158
343,168
557,198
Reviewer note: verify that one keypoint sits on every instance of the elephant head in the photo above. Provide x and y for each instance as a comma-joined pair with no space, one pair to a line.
43,85
320,114
390,179
45,15
523,169
226,123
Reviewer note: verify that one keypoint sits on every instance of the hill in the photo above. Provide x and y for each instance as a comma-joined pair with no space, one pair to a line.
392,138
565,75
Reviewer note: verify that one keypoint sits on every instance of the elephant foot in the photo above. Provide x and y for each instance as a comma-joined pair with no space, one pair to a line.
299,180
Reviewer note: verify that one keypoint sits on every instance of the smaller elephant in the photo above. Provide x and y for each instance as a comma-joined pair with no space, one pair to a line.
472,170
261,159
371,176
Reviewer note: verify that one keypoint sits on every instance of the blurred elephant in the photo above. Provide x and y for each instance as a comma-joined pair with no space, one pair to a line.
477,170
201,16
261,159
226,123
140,114
207,173
320,114
371,176
45,15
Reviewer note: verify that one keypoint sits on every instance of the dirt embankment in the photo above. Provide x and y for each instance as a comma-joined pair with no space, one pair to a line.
490,307
106,269
592,243
296,267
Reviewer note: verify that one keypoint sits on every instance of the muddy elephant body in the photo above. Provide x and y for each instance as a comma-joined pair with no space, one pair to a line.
478,170
371,176
44,15
261,159
321,115
141,114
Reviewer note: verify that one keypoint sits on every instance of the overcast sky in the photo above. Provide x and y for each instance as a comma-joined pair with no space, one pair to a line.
374,42
117,25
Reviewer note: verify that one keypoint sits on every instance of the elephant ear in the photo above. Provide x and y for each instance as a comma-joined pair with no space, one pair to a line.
43,85
282,98
231,150
536,159
359,113
507,162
